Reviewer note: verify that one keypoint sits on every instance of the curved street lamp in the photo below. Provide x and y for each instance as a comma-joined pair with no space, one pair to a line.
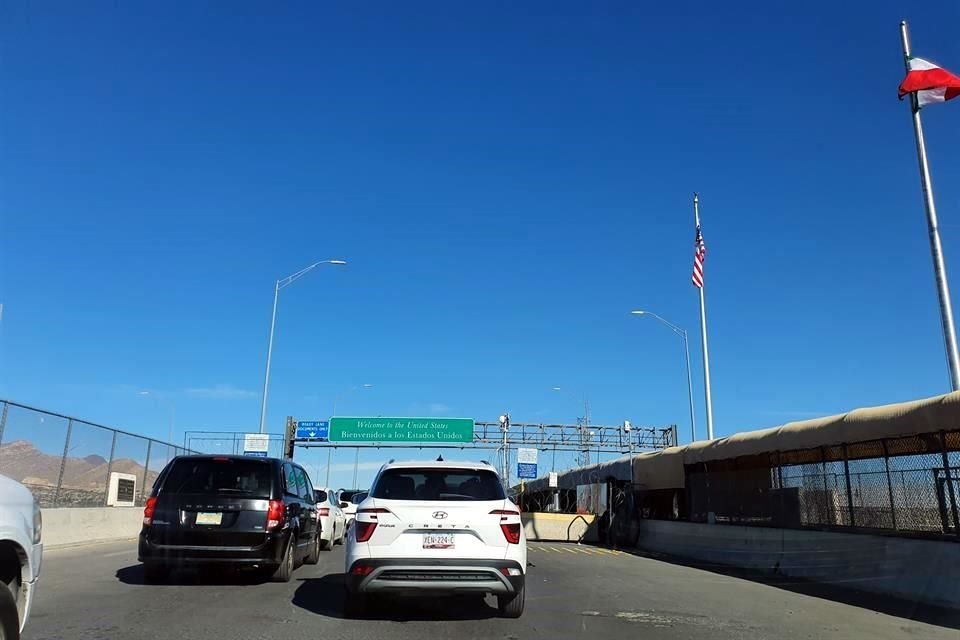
280,284
686,356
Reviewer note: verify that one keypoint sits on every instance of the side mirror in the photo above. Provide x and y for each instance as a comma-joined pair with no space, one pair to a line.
344,505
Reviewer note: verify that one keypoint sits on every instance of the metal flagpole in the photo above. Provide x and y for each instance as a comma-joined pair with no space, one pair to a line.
933,229
703,337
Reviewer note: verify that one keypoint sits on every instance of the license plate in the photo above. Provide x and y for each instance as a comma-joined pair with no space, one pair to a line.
209,518
438,541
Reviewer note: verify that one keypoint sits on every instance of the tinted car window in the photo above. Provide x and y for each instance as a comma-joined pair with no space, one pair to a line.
290,480
219,475
346,495
321,496
303,484
438,484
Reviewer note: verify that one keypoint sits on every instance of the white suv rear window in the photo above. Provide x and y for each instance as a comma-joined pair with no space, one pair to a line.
438,484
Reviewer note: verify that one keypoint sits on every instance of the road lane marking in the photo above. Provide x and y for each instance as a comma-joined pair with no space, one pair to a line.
114,554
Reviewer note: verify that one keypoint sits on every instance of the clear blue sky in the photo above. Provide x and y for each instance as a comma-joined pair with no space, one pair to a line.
506,181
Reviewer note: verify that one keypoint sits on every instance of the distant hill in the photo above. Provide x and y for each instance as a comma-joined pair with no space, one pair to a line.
22,461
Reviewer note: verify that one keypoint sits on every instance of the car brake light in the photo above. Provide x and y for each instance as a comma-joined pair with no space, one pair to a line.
148,510
361,570
323,511
363,530
275,513
374,511
511,532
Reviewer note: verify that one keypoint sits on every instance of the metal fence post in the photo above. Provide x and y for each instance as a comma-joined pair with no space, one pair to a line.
113,448
3,419
886,466
846,474
63,462
949,479
146,469
827,496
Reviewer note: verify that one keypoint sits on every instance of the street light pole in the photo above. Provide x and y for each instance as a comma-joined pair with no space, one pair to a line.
266,377
686,358
280,284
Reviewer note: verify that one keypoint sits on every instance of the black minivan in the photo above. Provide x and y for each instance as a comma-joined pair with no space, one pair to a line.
230,511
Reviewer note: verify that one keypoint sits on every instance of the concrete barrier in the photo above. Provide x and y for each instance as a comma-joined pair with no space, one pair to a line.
560,527
98,524
925,571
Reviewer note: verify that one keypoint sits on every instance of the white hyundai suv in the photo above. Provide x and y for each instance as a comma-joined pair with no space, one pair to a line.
435,528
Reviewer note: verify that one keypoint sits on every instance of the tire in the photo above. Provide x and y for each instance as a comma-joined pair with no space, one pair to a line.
155,573
355,605
284,572
314,556
9,618
326,545
511,606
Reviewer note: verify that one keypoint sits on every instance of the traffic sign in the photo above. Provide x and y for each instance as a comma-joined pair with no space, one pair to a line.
526,470
401,429
256,444
313,430
527,455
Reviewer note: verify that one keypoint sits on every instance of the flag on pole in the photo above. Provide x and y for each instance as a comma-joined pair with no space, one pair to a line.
699,255
930,82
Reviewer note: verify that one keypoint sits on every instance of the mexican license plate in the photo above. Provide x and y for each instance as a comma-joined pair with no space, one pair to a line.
209,518
438,541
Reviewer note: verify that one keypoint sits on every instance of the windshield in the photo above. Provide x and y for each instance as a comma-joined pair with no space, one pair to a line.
347,495
438,484
226,476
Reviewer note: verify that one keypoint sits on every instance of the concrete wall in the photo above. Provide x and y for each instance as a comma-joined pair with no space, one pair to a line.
560,527
926,571
76,525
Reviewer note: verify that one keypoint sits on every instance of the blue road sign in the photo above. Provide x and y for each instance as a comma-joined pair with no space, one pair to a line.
256,454
315,430
526,470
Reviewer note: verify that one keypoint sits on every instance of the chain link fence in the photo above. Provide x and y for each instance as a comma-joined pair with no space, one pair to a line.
67,462
909,484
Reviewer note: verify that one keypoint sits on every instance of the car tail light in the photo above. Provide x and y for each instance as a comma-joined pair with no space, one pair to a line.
361,570
510,571
148,510
511,532
275,513
363,530
37,523
323,512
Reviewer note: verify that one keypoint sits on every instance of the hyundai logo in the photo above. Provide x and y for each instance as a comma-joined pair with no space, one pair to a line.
439,515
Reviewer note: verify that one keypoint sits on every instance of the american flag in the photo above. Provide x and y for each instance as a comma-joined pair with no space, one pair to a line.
699,255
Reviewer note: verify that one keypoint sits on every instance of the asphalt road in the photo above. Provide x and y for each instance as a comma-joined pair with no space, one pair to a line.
97,591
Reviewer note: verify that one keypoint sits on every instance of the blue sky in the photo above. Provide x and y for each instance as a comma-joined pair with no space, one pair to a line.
507,183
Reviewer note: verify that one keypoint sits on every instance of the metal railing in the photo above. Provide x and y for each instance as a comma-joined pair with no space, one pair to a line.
67,462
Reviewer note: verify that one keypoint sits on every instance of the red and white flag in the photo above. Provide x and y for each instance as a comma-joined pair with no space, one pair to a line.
699,255
930,82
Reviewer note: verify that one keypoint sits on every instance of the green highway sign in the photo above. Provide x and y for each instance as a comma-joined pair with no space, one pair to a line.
401,430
